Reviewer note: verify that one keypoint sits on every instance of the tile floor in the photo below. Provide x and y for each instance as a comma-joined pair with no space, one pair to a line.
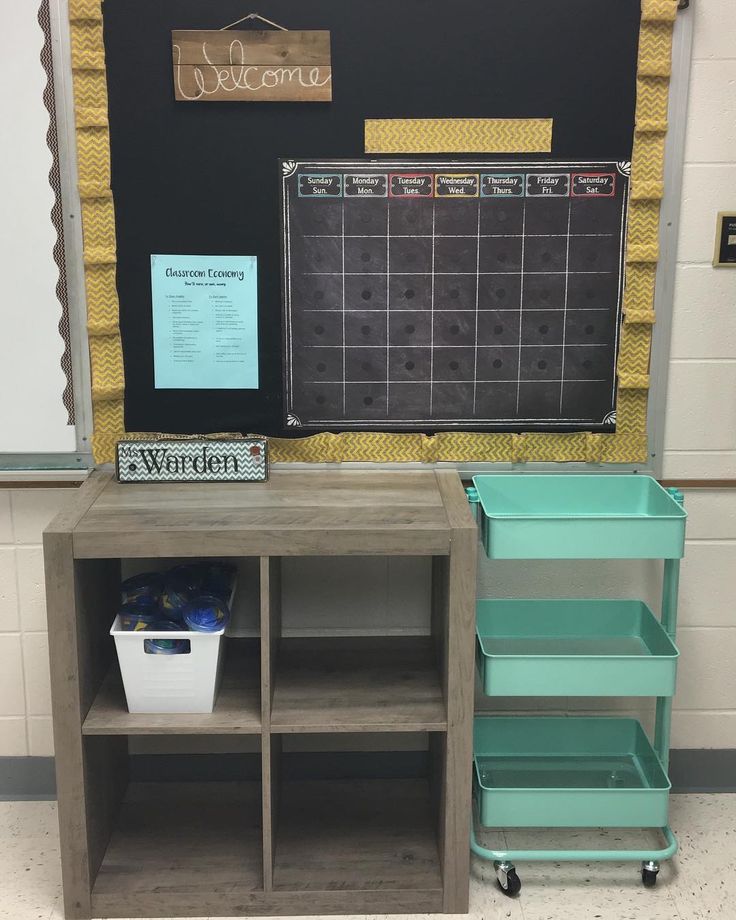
700,884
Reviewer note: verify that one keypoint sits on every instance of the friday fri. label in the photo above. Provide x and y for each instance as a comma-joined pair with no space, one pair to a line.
548,184
322,185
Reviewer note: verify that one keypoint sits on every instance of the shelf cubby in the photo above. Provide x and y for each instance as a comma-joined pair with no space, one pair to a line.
177,846
359,835
357,685
237,708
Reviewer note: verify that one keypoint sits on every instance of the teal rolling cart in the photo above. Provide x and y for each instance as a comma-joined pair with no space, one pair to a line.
576,771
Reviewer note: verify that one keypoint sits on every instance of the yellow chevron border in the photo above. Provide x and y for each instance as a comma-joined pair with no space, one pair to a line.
458,135
627,445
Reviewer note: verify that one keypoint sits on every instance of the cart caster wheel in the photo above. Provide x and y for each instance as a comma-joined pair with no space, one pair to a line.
508,881
649,873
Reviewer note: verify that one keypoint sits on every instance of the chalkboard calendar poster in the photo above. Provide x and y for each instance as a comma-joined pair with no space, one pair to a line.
480,295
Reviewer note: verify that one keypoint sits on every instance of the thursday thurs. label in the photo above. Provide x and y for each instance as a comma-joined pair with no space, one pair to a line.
502,185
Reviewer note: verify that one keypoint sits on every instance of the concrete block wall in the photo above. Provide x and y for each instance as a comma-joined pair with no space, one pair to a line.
25,695
700,432
700,443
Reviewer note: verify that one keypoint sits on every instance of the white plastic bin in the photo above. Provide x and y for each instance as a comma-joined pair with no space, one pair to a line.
187,682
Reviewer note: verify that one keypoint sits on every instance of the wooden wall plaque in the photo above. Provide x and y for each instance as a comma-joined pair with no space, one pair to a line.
251,66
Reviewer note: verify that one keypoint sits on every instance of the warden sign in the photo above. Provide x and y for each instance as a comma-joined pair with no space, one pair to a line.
193,460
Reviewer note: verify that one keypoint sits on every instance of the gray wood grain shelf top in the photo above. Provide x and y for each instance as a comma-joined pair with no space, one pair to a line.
295,513
357,685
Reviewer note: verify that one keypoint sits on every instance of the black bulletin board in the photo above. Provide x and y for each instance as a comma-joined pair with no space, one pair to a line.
204,178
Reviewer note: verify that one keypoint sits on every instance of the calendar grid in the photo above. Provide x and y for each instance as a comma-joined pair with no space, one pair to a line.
457,305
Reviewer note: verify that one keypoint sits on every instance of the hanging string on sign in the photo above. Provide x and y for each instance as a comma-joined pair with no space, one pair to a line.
254,16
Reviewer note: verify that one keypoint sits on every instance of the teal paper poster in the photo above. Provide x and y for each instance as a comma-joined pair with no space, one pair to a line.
205,322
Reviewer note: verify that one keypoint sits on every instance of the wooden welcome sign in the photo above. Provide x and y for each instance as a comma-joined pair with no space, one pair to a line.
252,66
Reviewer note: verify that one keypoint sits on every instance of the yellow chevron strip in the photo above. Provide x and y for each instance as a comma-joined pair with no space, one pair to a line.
109,428
107,367
102,299
643,222
633,359
98,224
81,10
639,290
93,190
86,38
472,446
631,413
98,219
634,382
93,148
640,317
647,191
651,126
458,135
652,98
99,256
301,450
646,252
647,164
91,118
90,89
627,445
658,11
655,49
88,60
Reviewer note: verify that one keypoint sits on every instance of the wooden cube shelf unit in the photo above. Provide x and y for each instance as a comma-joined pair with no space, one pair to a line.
276,845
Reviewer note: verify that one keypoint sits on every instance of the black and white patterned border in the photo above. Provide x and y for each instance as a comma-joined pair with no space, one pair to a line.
52,140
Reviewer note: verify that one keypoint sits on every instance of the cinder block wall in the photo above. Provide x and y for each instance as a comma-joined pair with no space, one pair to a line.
700,436
700,443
